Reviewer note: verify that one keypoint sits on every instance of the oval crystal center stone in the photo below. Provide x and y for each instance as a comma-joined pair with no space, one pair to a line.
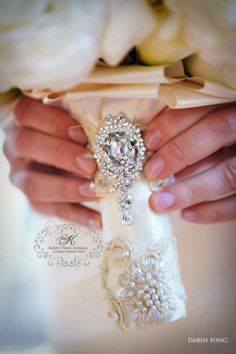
120,146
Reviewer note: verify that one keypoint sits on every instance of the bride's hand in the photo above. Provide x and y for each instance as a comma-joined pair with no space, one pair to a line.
198,146
49,162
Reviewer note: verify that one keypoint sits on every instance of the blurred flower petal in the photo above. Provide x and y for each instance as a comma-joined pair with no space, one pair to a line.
167,43
210,27
129,22
55,49
16,12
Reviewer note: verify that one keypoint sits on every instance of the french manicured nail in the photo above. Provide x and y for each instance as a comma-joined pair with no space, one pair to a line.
76,134
152,139
154,168
189,215
86,162
94,224
87,190
164,200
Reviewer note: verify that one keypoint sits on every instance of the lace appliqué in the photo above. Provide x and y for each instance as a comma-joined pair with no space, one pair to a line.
143,290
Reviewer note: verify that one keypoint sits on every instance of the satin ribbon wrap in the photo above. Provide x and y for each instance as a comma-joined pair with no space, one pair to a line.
139,268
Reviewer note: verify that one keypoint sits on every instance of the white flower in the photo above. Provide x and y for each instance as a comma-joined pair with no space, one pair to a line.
50,49
128,23
209,27
204,28
14,13
55,44
167,43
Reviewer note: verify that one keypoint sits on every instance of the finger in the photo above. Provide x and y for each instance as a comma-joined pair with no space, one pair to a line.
205,164
215,182
196,143
30,144
48,119
46,188
171,122
75,213
212,212
21,163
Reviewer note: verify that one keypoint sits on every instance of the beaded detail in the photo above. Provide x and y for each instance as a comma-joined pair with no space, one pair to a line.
144,291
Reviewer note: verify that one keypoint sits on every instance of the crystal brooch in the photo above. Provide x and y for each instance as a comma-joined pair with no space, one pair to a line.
120,155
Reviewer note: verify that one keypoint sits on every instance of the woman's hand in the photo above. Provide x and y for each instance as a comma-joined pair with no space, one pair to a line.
197,145
49,162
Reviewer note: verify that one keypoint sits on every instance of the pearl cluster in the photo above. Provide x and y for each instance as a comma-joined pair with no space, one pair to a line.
146,295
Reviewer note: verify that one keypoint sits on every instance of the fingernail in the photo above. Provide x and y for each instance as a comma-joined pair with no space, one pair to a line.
87,190
94,224
152,139
189,215
164,200
154,168
76,134
86,162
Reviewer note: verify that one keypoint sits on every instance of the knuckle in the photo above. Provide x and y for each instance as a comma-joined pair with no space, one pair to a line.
217,214
163,125
185,193
229,174
176,150
226,124
189,194
60,152
58,125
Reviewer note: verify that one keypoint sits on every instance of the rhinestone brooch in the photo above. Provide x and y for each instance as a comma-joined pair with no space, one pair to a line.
120,155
